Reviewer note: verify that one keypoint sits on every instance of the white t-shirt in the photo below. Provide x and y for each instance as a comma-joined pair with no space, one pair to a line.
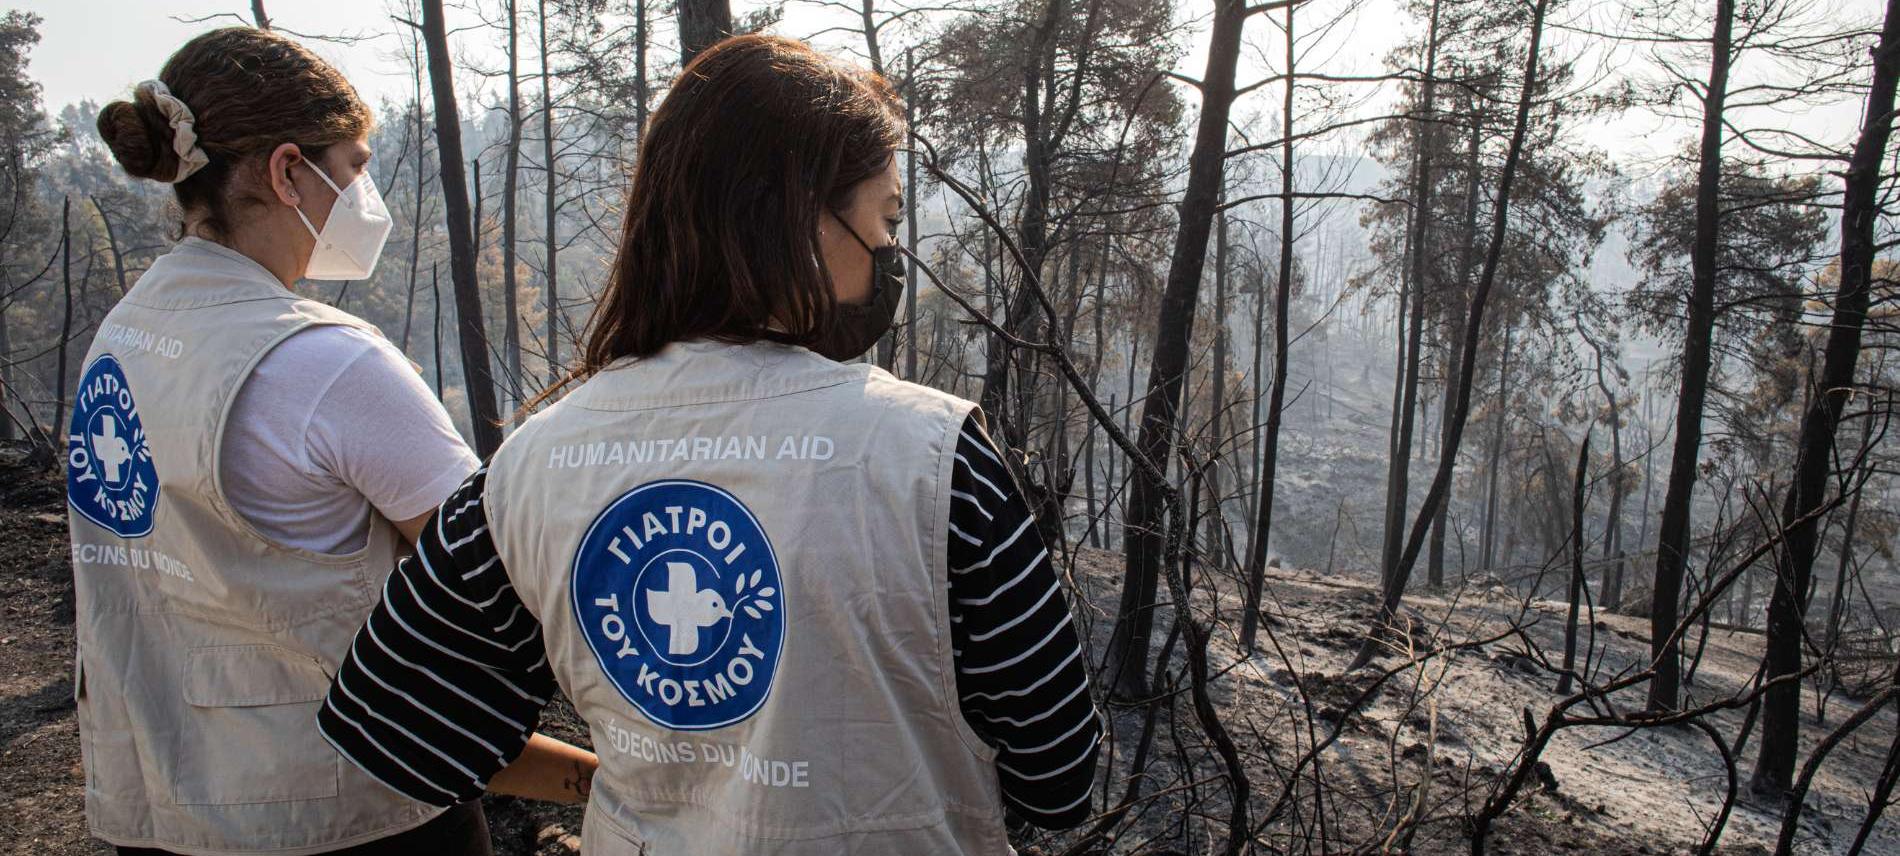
333,422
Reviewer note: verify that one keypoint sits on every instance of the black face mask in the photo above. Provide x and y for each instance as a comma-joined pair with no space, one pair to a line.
855,327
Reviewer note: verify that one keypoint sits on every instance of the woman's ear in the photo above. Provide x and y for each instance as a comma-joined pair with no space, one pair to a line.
283,185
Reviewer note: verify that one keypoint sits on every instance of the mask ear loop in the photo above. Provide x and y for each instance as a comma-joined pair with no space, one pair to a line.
323,175
877,286
854,233
339,198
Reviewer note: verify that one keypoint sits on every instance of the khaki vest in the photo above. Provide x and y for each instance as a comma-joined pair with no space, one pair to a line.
204,648
737,555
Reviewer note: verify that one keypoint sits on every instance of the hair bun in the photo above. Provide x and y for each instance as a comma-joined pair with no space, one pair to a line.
140,138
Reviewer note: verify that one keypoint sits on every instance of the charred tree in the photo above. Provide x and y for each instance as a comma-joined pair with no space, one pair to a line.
1577,582
1613,535
1032,230
910,216
1435,560
1269,457
510,186
1460,407
112,243
1860,201
1673,535
478,380
66,318
702,22
1488,540
1127,669
1398,468
1843,573
1217,430
415,218
552,296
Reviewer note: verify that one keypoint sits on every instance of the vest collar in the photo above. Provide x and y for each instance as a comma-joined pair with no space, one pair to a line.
194,245
703,371
199,273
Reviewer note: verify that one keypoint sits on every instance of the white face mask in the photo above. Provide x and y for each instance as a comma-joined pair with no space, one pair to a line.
353,236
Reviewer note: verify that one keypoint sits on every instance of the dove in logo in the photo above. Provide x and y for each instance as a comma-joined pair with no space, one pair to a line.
684,608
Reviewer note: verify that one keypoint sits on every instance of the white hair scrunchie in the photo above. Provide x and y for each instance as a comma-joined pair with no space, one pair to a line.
191,157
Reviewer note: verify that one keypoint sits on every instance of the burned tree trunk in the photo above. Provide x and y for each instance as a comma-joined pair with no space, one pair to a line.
1613,535
1673,536
1398,472
415,219
510,185
1128,647
435,301
639,73
66,318
478,381
910,221
1460,407
1217,422
1489,539
1843,573
1435,564
702,22
112,243
1781,715
1276,394
1096,527
1577,583
1032,237
552,296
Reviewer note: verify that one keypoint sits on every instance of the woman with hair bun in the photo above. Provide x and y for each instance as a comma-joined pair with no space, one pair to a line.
244,466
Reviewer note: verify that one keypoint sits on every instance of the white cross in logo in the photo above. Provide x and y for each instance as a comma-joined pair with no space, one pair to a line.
684,608
111,451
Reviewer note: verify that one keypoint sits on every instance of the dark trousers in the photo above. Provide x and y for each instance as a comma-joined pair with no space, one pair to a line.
459,831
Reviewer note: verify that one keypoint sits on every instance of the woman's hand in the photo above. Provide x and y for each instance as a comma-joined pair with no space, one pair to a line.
548,769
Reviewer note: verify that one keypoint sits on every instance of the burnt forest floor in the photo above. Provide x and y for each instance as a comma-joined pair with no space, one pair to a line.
1454,724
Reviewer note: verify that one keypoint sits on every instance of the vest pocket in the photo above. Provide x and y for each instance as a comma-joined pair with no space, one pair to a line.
252,730
601,835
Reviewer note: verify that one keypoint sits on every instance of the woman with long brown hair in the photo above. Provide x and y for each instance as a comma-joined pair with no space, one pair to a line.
244,465
799,602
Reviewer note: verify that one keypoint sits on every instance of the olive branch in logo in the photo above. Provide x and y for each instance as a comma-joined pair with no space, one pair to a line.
757,603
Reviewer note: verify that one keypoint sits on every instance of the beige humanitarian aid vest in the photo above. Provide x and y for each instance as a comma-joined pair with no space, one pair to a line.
737,555
204,648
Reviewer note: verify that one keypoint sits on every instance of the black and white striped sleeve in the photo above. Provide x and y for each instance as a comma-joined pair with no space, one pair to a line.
1020,672
445,682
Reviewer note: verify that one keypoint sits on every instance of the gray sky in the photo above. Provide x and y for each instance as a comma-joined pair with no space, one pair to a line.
99,48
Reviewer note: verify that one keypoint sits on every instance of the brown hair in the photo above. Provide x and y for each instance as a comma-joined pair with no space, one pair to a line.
758,137
249,91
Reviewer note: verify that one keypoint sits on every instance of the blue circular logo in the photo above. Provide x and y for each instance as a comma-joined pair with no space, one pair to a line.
110,479
677,590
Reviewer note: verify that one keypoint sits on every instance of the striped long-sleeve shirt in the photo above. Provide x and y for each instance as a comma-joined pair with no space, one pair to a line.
447,679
